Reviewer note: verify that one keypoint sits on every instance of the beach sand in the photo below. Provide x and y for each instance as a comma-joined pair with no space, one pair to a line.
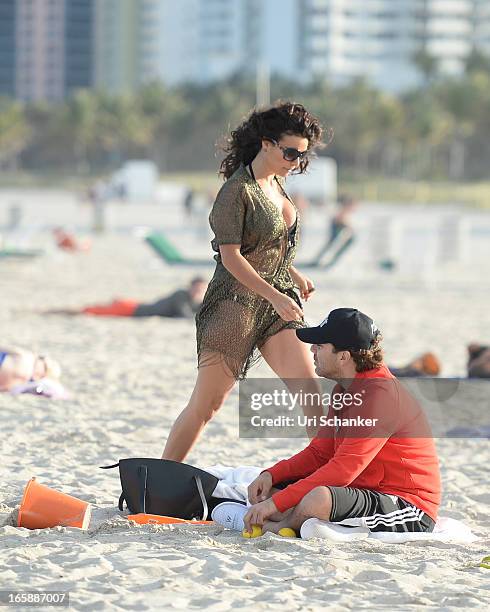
128,381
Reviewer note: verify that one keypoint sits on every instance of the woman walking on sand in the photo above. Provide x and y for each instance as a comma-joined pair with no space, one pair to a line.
251,307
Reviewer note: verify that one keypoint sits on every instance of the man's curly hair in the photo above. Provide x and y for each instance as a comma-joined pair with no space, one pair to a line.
368,359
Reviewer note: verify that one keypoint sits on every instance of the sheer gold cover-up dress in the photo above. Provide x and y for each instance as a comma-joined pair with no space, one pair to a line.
234,322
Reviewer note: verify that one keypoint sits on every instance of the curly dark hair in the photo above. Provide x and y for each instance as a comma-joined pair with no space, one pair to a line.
368,359
245,141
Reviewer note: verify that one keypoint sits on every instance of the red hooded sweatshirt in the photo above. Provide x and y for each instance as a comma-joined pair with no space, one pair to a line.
397,456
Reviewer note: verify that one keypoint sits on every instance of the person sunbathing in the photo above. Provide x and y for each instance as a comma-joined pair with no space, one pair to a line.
478,361
19,366
183,303
69,242
426,364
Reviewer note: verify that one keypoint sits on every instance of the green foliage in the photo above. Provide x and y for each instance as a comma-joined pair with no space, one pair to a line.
14,131
439,130
426,64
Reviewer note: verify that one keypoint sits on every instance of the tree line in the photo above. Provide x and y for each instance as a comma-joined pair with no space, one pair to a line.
439,130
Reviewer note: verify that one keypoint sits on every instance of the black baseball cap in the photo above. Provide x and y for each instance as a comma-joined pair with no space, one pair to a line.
345,328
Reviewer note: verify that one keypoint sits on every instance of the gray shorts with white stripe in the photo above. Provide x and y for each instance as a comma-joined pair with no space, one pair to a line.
377,511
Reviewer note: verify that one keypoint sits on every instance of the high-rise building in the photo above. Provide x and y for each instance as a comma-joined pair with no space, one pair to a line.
446,31
482,26
7,48
46,48
79,44
40,49
342,39
139,41
207,40
222,38
116,45
169,45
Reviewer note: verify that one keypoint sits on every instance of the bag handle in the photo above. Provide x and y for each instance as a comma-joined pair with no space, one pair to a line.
200,490
121,497
143,478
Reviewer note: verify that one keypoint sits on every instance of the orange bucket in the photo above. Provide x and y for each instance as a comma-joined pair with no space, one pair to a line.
43,507
157,519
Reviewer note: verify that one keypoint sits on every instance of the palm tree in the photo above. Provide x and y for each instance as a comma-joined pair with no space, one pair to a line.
427,64
161,110
78,117
14,132
477,61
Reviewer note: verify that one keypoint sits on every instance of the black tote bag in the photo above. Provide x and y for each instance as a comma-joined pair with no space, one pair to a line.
167,488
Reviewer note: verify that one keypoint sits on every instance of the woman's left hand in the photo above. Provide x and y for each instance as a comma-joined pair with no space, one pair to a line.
304,284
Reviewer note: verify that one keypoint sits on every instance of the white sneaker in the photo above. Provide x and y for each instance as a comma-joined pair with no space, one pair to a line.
230,515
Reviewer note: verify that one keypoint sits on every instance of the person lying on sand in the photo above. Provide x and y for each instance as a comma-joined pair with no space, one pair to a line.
386,478
478,361
19,366
69,242
183,303
426,364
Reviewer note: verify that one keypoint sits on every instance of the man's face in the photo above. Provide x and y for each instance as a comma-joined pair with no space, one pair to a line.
327,363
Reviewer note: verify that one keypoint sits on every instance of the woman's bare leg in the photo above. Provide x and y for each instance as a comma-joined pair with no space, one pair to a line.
293,362
214,382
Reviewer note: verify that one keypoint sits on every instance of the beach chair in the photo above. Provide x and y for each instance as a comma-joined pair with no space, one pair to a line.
169,252
19,253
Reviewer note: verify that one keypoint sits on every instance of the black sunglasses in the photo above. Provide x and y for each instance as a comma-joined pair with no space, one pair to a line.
290,153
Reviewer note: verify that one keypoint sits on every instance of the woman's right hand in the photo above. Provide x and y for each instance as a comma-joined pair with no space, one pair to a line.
286,307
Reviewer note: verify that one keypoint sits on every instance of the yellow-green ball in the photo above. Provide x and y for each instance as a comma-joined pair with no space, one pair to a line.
256,532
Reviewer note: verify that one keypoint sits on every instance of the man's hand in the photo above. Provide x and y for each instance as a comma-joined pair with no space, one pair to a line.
258,514
259,489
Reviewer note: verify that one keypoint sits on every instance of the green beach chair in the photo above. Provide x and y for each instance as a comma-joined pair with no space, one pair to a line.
19,253
169,253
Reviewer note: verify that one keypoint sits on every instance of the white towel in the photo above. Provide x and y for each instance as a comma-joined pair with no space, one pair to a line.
233,484
45,387
445,530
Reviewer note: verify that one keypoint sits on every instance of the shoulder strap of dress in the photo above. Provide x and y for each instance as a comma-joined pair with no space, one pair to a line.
281,187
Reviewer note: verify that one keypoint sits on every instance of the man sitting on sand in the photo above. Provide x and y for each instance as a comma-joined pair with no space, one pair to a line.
385,478
183,303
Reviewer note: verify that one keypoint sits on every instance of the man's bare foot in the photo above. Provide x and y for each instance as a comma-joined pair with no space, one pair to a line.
272,526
